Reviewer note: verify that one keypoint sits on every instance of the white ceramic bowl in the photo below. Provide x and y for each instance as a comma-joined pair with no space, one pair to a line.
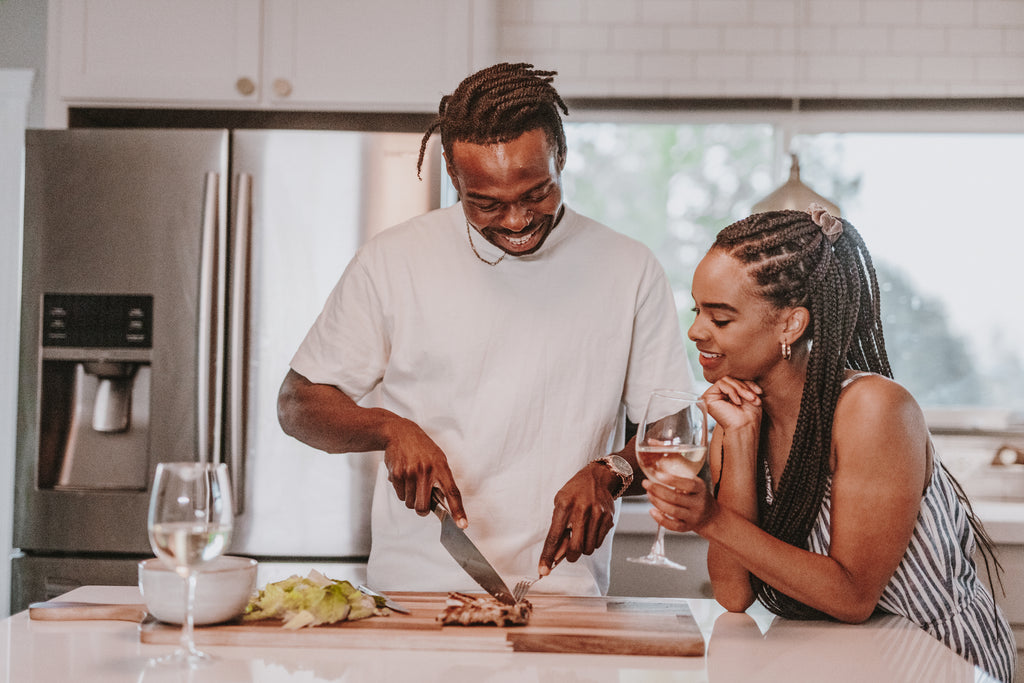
223,589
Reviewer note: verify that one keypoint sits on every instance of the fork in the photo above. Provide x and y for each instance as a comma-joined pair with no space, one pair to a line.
520,590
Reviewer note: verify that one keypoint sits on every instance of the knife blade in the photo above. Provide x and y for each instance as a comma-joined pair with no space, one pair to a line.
465,552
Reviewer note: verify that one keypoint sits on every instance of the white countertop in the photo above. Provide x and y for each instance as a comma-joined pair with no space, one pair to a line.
740,647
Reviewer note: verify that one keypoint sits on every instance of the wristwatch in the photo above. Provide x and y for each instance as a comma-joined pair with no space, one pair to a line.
622,468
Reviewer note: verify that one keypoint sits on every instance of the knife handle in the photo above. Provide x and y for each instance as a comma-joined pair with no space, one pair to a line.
437,504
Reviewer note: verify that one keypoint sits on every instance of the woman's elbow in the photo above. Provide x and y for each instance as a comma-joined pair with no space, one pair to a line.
734,602
854,612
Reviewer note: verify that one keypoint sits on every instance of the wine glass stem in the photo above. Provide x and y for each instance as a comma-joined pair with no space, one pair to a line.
658,548
187,642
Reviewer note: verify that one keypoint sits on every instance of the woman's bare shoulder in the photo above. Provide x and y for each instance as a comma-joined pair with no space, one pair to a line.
869,393
874,408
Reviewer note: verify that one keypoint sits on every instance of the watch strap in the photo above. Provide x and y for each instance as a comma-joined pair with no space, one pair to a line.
621,467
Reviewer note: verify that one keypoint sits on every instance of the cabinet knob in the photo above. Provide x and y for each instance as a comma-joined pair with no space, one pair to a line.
245,86
282,87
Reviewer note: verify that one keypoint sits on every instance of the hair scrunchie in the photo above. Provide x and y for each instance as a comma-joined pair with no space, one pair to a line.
831,226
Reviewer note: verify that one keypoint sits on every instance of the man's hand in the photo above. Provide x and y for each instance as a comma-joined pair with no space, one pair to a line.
416,465
326,418
583,516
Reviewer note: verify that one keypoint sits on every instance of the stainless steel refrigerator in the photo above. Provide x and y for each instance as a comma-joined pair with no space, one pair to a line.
168,276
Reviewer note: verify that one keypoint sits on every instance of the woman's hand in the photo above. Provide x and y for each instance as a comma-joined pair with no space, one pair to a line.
680,503
734,403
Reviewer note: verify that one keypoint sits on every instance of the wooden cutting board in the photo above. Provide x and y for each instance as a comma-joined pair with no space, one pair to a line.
566,624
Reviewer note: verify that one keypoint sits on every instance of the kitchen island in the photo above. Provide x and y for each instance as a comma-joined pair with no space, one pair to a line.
739,647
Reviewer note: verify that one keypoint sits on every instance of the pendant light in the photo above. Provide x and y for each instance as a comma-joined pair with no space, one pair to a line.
793,194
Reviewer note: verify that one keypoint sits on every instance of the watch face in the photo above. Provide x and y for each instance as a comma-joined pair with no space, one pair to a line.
620,465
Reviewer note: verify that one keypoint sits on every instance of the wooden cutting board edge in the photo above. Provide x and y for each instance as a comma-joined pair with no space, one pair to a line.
668,633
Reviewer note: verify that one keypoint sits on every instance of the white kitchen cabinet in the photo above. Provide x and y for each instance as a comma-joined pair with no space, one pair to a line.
332,55
395,54
131,51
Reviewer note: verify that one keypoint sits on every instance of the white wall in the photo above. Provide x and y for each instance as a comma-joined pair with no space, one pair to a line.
23,46
14,96
771,48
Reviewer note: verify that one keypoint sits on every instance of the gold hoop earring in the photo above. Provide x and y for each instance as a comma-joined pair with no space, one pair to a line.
787,350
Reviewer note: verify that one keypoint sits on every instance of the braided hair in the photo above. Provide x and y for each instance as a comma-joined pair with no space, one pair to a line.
792,262
498,104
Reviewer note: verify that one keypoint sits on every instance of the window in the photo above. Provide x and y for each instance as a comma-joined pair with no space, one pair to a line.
939,211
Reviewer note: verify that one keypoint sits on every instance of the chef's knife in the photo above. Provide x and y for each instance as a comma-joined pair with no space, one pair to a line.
465,552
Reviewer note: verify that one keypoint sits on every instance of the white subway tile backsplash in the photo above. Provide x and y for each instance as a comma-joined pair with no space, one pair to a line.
523,38
861,39
889,13
1013,41
844,12
999,69
667,67
889,69
635,87
974,41
946,13
694,39
568,65
583,37
554,11
610,11
718,12
777,68
514,13
642,39
999,12
946,68
810,41
668,11
774,12
780,48
611,65
722,67
750,39
918,41
833,69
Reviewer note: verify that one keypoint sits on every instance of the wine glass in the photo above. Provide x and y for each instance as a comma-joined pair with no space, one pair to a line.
190,521
672,438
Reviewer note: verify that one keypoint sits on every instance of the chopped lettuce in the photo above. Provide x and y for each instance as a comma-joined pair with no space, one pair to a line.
312,601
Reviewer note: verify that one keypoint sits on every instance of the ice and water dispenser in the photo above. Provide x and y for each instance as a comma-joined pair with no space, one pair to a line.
95,390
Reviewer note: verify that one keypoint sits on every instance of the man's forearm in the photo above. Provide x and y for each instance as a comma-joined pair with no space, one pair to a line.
325,418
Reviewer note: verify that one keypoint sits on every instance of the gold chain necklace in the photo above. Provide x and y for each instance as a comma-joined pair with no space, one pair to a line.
469,234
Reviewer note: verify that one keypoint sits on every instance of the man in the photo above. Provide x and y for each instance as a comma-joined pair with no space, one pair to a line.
504,336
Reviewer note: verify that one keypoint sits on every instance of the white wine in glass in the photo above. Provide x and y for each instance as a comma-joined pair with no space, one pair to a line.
671,439
190,522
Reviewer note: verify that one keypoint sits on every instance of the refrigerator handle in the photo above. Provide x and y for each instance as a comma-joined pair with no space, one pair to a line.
208,413
238,371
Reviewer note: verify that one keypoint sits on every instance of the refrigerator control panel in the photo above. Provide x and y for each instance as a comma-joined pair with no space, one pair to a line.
98,320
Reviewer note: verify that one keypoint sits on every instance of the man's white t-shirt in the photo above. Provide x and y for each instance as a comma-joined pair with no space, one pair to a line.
517,371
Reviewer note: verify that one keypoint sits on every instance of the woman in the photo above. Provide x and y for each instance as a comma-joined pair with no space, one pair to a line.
826,498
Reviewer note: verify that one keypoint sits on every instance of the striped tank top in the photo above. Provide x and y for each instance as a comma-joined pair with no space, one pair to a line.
936,584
